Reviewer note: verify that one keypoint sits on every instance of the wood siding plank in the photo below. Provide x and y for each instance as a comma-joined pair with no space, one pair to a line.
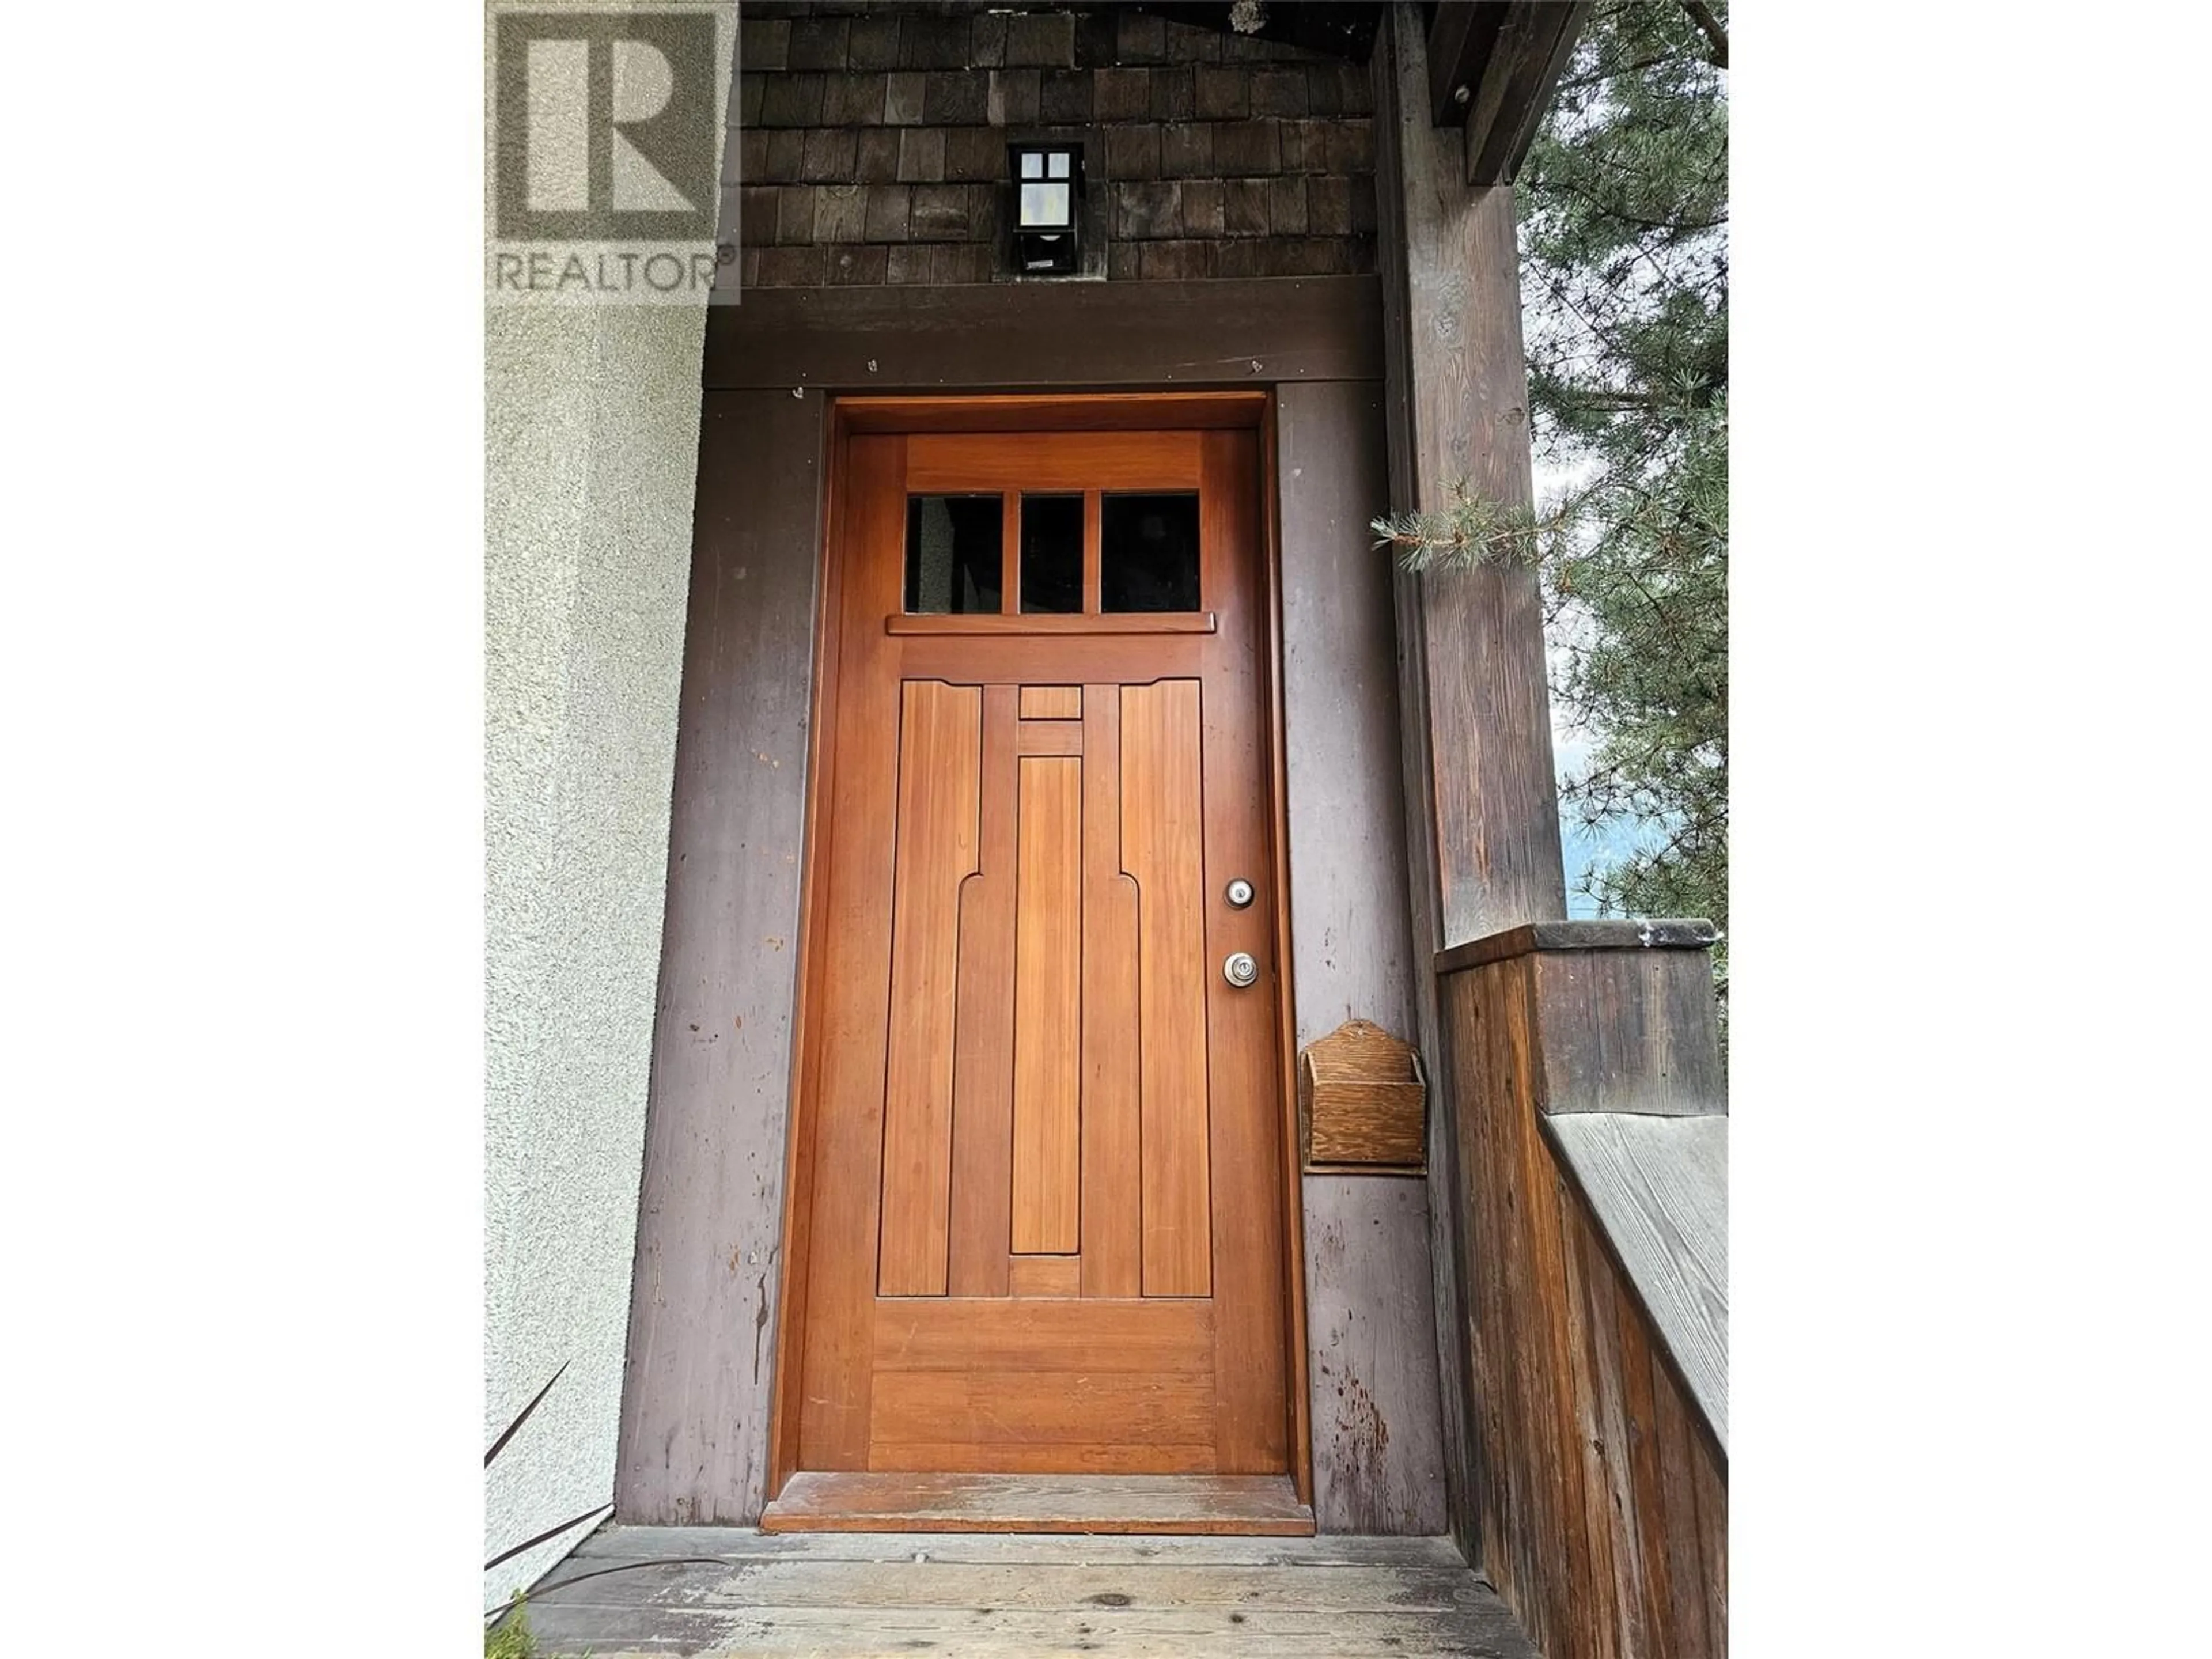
1647,1512
1049,1009
1590,1346
1709,1475
1678,1531
1621,1623
940,758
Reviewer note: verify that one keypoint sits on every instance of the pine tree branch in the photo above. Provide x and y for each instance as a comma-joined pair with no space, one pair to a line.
1671,227
1709,27
1600,76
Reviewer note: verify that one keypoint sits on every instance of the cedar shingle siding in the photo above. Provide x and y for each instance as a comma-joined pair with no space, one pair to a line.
868,144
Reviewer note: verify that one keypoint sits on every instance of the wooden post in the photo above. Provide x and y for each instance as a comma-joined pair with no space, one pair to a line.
1482,814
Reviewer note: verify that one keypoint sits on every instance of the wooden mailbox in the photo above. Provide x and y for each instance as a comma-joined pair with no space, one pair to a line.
1363,1102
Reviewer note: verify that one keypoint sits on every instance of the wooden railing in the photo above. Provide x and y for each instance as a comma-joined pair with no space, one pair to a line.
1584,1081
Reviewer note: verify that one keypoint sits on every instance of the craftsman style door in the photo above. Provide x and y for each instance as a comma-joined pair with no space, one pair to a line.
1039,1191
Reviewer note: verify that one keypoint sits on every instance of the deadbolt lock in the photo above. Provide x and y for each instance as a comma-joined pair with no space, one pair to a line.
1239,969
1239,894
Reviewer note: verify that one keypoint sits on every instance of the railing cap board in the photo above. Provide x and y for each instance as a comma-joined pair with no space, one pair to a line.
1657,933
1657,1188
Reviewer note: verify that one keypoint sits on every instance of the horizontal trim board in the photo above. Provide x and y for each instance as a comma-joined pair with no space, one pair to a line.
1111,621
1004,336
1038,462
748,1545
991,1409
1110,412
1226,1504
963,1334
1167,1456
1660,933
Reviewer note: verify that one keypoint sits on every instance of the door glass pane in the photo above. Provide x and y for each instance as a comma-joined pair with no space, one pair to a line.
953,565
1148,552
1051,555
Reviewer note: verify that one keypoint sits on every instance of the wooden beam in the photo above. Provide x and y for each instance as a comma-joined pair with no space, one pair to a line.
1534,41
1482,818
1457,402
1067,335
1491,66
1460,38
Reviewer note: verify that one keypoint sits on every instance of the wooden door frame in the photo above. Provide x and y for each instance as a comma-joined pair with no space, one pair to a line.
1109,412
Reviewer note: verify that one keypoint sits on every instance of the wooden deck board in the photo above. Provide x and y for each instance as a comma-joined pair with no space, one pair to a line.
838,1594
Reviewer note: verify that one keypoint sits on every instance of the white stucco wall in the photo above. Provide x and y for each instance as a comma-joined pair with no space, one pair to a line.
591,428
592,431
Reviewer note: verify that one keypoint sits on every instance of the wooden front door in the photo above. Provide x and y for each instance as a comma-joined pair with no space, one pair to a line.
1039,1195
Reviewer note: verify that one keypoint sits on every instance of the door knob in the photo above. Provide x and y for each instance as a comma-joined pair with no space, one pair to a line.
1239,969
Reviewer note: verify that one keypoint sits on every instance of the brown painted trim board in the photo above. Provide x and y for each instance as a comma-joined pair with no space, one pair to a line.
1279,834
1065,336
704,1287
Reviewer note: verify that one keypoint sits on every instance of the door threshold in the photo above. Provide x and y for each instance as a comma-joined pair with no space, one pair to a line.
1226,1504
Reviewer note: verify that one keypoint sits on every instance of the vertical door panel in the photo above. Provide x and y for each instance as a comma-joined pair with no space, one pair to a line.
848,977
940,744
1113,1202
1048,1006
1251,1249
1163,815
983,1036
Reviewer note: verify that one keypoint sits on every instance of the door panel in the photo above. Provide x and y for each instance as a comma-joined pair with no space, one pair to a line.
1161,853
1048,1135
1048,1006
941,734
